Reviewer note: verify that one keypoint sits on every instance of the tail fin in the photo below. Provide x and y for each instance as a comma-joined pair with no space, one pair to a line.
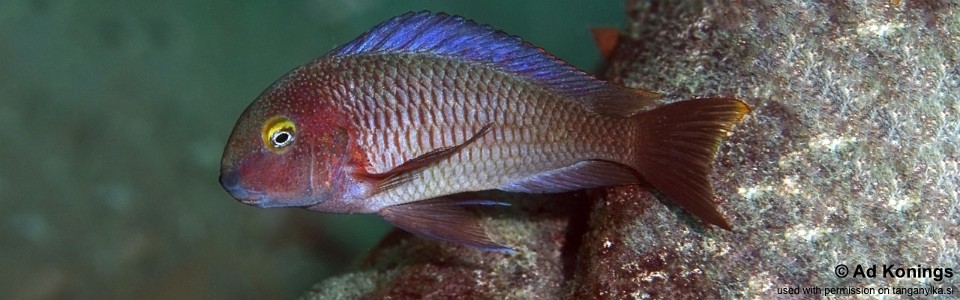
678,143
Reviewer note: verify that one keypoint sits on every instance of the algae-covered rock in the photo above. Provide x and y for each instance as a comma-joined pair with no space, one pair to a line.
850,157
404,266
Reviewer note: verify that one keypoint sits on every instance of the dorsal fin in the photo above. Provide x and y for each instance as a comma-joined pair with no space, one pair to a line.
453,36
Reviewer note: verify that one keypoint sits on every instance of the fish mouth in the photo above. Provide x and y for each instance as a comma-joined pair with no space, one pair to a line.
230,181
254,197
261,200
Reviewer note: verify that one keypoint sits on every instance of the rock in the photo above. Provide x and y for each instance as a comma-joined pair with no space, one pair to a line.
544,230
850,157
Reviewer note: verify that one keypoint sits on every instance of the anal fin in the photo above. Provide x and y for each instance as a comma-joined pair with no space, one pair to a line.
443,219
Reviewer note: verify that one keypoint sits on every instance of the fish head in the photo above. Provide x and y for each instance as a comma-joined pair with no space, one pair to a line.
286,150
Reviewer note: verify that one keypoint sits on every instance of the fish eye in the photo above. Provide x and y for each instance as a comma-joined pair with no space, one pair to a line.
278,133
281,138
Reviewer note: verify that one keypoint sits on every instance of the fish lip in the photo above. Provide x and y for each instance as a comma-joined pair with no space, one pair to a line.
231,183
247,196
252,198
261,200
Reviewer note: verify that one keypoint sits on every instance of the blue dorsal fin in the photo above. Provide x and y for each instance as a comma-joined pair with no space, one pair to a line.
449,35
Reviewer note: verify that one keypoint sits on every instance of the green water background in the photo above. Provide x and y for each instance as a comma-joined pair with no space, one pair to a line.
113,116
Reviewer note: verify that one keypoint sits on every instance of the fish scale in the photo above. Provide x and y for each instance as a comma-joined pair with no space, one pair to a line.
426,105
523,116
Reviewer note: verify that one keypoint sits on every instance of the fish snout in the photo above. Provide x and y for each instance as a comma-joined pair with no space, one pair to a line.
230,181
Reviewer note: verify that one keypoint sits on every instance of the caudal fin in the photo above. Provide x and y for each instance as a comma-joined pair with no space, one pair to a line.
677,146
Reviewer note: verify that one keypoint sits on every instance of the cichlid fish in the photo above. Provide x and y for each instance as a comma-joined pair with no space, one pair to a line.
424,106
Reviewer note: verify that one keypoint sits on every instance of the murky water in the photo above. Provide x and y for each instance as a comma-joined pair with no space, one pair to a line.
113,116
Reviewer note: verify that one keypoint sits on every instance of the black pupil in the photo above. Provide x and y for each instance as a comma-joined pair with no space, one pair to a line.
281,138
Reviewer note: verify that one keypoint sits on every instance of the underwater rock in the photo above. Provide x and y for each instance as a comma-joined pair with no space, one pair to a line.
850,157
404,266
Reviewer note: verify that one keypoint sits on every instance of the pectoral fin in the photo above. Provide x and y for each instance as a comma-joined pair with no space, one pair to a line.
443,219
411,169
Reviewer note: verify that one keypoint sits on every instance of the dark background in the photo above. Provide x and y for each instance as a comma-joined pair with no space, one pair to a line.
113,116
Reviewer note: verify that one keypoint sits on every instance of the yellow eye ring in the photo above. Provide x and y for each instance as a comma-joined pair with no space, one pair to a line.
278,133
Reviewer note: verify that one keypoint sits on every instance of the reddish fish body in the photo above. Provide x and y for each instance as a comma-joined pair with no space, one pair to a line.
427,105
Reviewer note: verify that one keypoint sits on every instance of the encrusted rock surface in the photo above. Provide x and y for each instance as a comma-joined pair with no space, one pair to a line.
850,156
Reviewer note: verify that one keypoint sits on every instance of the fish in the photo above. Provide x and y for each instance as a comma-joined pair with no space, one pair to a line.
426,106
607,39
